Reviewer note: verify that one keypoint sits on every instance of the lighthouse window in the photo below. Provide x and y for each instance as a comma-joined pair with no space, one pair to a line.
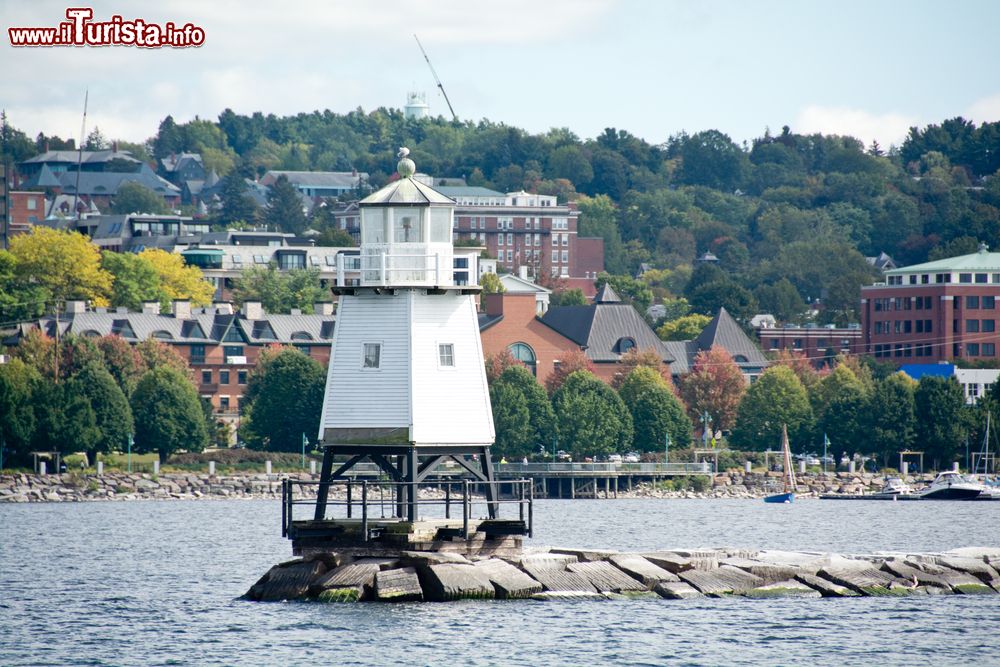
372,355
440,225
446,355
407,226
373,226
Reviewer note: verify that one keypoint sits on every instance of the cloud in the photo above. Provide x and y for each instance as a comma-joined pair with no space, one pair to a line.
887,128
986,110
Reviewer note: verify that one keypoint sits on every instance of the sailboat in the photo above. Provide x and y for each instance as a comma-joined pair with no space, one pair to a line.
789,493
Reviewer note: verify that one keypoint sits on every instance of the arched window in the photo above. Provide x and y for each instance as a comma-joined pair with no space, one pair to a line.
163,335
90,333
625,344
301,335
740,359
523,353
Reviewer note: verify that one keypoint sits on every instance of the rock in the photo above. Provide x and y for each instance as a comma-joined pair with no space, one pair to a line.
556,579
868,581
825,587
585,555
939,581
567,595
721,581
455,581
607,578
427,558
398,585
286,582
641,569
977,568
769,572
789,588
359,575
342,594
508,581
547,560
669,561
676,590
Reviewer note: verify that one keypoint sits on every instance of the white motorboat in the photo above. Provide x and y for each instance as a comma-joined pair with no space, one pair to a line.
951,486
893,489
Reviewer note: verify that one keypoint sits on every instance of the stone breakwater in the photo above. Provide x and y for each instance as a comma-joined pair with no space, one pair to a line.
24,488
552,574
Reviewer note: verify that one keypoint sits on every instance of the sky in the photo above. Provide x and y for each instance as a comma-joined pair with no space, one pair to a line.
866,68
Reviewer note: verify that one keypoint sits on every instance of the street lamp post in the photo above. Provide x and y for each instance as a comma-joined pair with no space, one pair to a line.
131,441
666,448
304,441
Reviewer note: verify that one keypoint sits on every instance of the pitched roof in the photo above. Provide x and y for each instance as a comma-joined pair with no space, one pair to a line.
983,260
602,328
321,179
726,333
109,182
454,191
406,191
86,157
607,295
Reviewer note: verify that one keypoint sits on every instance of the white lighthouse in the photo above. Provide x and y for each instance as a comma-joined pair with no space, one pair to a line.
406,386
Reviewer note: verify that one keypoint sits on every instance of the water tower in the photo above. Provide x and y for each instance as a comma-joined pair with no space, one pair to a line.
416,106
406,387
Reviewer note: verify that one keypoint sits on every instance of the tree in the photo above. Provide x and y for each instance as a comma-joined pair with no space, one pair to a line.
511,421
279,291
497,363
570,297
283,400
776,399
112,415
891,411
591,417
136,198
154,354
491,284
636,358
715,385
655,411
735,298
629,289
237,206
335,238
570,362
599,218
687,327
66,422
284,207
18,382
135,280
711,158
541,419
167,413
941,420
178,280
840,383
122,360
66,264
780,299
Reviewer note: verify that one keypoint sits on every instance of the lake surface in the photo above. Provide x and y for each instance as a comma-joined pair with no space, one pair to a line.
155,583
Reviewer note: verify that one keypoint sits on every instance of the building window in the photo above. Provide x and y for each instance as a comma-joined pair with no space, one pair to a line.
241,377
988,326
232,350
972,350
223,377
972,301
797,343
971,326
928,328
982,278
565,256
989,302
774,343
510,239
908,326
259,259
206,377
965,277
499,239
538,239
197,354
510,255
920,326
523,353
989,350
371,355
446,355
224,404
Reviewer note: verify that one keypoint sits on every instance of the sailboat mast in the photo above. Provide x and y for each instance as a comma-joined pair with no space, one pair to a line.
786,450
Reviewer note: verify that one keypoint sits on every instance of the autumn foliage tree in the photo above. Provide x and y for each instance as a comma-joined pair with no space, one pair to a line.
636,358
715,385
177,279
66,264
569,363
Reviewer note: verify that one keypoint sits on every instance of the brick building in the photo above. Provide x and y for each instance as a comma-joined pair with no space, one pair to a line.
936,311
815,343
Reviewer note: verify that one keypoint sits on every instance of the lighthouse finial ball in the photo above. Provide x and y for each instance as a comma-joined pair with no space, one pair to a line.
405,166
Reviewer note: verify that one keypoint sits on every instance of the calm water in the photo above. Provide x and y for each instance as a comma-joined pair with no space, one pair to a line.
154,583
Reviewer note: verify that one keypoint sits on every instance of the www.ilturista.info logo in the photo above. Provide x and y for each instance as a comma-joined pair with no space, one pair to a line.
80,30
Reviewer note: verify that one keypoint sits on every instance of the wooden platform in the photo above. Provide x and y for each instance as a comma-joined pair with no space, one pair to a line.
389,537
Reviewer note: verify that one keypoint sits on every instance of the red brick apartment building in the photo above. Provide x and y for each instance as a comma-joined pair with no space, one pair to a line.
812,342
936,311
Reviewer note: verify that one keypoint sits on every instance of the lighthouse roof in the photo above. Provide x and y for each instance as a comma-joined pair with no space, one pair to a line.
406,191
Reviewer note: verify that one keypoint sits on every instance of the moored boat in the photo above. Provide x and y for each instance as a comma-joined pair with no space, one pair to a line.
951,486
789,493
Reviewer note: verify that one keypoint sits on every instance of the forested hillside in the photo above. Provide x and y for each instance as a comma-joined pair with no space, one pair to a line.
790,216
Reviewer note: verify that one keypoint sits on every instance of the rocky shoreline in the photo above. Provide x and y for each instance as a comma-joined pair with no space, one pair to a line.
554,574
114,486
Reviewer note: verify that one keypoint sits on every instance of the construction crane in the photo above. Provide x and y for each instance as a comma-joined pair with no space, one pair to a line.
436,79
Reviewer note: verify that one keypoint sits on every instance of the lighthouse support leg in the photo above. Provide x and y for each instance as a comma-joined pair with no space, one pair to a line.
491,484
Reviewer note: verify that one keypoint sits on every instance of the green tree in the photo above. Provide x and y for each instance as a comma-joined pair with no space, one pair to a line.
167,413
781,299
570,297
283,400
284,207
735,298
237,206
112,415
599,218
715,385
687,327
122,360
570,362
18,382
135,280
279,291
941,418
136,198
711,158
629,289
66,422
841,383
491,284
655,411
891,413
591,417
541,418
777,398
511,419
